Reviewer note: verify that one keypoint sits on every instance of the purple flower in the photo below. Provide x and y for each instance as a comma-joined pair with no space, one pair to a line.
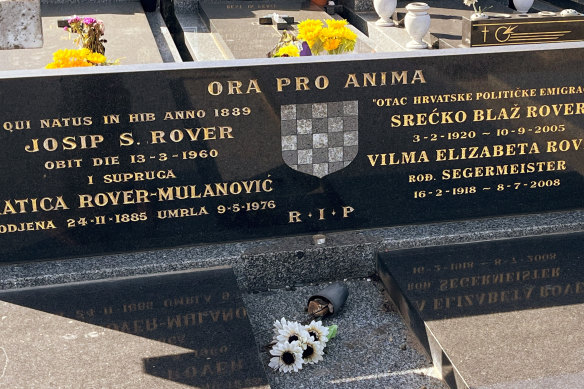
74,19
89,20
66,28
305,50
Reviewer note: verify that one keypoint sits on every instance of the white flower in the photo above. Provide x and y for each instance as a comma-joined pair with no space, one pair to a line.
292,332
286,357
313,351
280,324
318,332
468,3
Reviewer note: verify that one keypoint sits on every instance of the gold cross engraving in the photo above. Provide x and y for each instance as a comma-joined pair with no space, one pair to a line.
485,31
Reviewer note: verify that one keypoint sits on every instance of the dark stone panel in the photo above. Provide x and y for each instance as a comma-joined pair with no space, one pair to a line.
319,125
289,127
304,111
198,310
205,155
320,155
350,123
305,142
335,109
336,139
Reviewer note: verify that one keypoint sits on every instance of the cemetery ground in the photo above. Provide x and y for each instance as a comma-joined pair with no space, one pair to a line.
121,340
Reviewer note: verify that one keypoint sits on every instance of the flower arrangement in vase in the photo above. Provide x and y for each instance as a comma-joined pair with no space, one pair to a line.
479,13
91,51
316,39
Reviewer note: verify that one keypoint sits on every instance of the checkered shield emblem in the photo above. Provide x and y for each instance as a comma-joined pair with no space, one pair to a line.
320,138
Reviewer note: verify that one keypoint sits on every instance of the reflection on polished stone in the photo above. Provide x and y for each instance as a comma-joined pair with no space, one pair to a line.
198,316
495,314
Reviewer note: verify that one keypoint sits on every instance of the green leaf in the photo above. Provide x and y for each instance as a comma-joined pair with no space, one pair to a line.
332,331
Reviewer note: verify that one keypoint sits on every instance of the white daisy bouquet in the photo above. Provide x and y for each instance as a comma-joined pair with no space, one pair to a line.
296,344
473,3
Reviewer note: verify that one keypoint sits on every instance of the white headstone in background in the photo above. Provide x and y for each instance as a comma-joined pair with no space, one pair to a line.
20,24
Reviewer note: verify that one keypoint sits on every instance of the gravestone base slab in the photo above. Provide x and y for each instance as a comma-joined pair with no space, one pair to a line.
164,331
21,24
498,314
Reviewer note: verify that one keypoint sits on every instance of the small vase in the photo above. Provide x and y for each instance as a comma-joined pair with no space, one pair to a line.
333,297
479,16
417,23
522,6
385,9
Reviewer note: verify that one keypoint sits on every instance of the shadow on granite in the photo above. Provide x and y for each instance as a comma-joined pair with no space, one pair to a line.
500,314
200,314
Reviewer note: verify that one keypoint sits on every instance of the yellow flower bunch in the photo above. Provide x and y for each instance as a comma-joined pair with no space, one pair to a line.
66,58
288,51
309,31
336,24
335,38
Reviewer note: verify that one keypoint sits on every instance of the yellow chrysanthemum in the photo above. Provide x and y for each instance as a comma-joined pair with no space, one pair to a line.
331,44
326,33
349,35
334,37
334,24
75,58
310,38
309,25
96,58
309,31
288,51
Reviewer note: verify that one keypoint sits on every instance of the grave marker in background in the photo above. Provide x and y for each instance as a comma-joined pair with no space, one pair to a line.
20,22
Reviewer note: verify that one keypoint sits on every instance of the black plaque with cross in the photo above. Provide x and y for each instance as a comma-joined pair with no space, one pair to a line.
499,31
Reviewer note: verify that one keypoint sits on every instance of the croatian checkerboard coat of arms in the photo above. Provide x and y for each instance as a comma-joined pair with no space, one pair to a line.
320,138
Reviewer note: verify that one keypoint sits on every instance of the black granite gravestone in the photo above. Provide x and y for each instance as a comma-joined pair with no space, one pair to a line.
200,312
121,160
470,302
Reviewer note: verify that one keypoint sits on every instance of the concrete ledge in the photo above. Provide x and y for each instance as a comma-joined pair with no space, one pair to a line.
289,261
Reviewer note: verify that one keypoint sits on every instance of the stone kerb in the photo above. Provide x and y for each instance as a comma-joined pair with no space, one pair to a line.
20,22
